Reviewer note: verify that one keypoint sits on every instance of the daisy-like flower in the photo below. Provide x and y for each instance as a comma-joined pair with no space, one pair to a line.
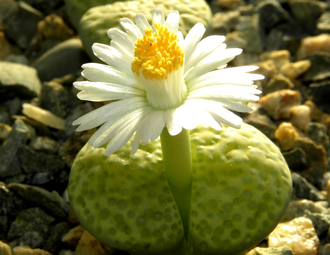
160,79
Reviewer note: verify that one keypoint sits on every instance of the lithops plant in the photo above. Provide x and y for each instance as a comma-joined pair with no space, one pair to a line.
241,187
96,21
178,186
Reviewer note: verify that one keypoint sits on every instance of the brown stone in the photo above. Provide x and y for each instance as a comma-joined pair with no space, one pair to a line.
286,135
73,236
26,250
279,103
89,245
298,234
300,116
277,82
294,70
313,44
279,57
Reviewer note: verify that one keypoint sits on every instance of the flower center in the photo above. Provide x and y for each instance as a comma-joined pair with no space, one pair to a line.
157,54
158,65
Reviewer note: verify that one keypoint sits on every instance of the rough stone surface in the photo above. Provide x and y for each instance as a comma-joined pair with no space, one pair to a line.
296,159
8,151
305,241
319,69
18,80
256,39
294,70
32,219
21,15
279,103
286,134
300,116
277,82
321,222
271,13
65,58
51,201
313,44
303,189
321,92
54,240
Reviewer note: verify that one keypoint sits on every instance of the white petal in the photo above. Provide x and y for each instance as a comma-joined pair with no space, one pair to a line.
121,138
221,114
125,51
149,128
217,58
108,130
141,22
203,49
112,57
158,16
108,112
193,37
121,38
101,91
130,28
104,73
172,123
229,92
172,21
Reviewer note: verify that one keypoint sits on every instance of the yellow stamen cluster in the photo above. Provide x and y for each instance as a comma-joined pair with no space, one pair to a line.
157,54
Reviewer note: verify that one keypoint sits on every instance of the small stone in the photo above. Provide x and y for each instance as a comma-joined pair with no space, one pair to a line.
296,159
305,241
323,24
279,57
224,22
26,250
73,236
54,242
300,116
4,131
319,69
320,92
256,38
313,44
271,251
303,189
229,4
32,219
266,68
277,82
242,24
56,99
271,13
32,239
317,132
294,70
5,249
8,151
53,27
297,209
235,40
18,80
286,135
22,15
317,158
316,113
44,143
321,222
279,103
89,245
18,59
306,11
65,58
51,201
45,117
262,123
5,46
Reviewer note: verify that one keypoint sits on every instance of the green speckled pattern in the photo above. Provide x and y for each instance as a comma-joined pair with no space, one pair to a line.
97,21
241,188
126,202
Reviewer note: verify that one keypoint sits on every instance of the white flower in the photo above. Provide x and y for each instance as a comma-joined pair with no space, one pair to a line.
161,79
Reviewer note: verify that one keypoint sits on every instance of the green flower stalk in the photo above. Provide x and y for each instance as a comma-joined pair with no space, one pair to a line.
210,184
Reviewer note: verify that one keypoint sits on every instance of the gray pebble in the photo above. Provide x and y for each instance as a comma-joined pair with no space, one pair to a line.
32,219
65,58
52,201
303,189
8,151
